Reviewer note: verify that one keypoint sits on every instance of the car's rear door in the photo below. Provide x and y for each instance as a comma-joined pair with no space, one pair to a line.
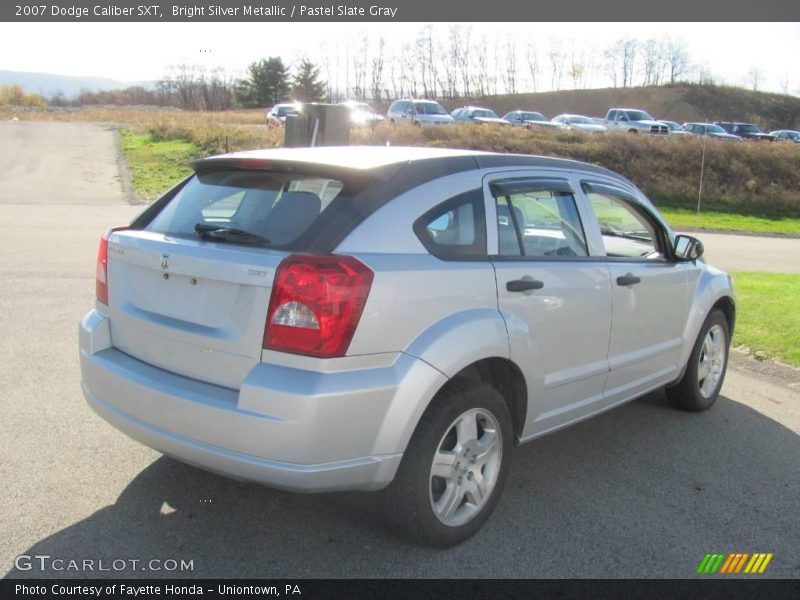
554,296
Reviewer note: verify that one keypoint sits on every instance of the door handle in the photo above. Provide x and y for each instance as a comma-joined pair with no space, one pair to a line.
523,285
628,279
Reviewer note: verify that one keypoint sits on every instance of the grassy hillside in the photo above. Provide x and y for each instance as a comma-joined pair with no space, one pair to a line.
682,103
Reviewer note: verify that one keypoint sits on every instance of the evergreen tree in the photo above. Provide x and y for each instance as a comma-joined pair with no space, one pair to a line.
306,86
267,83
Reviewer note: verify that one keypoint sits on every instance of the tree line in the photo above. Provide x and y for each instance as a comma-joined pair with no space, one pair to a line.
440,63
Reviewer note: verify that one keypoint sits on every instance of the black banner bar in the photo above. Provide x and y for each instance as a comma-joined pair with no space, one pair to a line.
270,11
605,589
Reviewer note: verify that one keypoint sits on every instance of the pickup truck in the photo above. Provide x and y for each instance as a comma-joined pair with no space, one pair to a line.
633,120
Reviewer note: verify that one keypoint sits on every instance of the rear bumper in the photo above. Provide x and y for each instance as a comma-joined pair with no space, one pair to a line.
285,427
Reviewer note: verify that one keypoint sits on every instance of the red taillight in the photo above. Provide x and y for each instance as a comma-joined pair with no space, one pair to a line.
316,304
101,274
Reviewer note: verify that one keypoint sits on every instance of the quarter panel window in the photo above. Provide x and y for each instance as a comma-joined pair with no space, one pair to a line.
456,228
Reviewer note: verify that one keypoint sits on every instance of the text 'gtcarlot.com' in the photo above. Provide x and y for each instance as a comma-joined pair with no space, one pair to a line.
45,562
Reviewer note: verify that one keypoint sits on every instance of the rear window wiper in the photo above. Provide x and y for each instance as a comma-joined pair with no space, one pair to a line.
229,234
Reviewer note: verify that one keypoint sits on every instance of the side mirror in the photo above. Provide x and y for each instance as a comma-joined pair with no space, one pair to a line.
410,111
687,247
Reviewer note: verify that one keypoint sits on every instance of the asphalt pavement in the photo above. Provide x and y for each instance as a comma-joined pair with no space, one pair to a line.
641,491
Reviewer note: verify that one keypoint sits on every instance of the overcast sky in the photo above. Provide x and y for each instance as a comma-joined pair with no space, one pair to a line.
143,51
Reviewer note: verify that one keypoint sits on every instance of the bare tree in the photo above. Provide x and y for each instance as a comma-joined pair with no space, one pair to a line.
533,64
510,74
612,58
360,68
703,74
784,83
677,59
376,83
754,77
628,47
556,56
427,59
460,38
450,64
653,62
482,67
408,73
576,67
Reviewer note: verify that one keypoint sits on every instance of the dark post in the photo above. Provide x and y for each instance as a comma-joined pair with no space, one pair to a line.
318,125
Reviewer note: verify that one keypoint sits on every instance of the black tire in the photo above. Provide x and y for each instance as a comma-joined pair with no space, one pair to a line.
409,500
688,393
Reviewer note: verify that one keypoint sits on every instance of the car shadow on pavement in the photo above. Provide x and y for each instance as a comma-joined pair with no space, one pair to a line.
640,491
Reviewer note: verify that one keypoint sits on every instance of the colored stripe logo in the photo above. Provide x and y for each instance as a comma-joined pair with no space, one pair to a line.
735,563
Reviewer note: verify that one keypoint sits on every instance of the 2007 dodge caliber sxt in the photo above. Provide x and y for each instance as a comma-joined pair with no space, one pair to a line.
355,318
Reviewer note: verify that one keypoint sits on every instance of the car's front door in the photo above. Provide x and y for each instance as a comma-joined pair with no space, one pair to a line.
554,296
650,293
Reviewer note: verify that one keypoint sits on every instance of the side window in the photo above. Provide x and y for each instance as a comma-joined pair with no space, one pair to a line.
456,228
626,229
538,221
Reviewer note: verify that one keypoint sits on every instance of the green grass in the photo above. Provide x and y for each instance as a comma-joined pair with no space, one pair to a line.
767,318
681,218
155,166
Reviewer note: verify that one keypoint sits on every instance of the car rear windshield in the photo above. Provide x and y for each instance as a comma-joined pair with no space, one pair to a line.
247,206
533,116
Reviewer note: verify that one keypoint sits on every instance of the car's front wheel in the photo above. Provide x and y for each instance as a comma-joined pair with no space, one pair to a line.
455,466
705,371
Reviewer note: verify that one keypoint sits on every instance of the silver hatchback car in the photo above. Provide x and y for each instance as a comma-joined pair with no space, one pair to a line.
356,318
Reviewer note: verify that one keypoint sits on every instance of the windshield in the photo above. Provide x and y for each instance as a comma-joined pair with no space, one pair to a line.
714,129
429,108
746,128
638,115
533,116
263,207
580,121
672,126
287,110
485,113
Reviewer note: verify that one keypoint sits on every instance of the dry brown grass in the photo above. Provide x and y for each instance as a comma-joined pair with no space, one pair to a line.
749,178
757,178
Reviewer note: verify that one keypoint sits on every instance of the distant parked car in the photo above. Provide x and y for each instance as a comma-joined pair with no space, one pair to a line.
747,131
421,113
674,128
362,113
580,123
476,114
276,116
787,135
714,131
633,120
530,118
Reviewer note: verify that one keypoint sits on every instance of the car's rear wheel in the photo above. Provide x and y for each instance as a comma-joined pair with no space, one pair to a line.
705,371
455,466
